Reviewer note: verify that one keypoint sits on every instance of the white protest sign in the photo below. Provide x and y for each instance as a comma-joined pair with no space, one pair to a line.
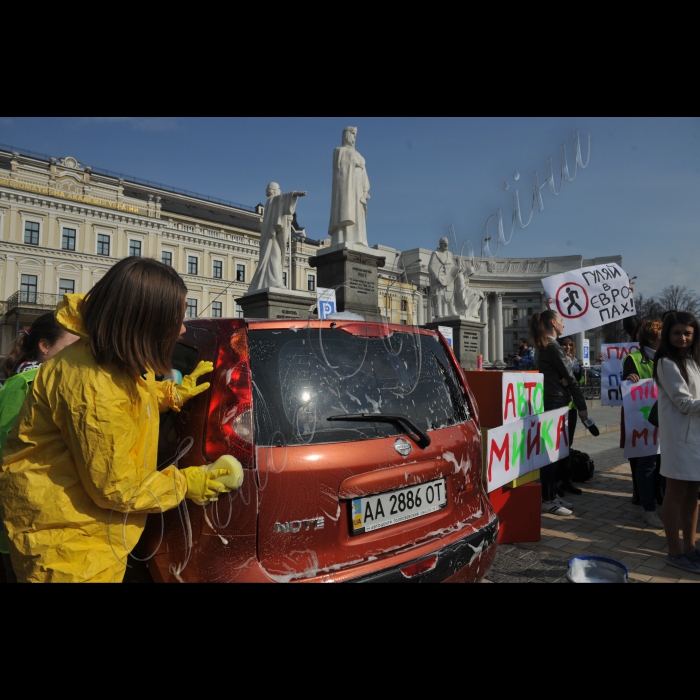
590,297
447,334
525,445
641,437
586,359
523,395
325,299
614,355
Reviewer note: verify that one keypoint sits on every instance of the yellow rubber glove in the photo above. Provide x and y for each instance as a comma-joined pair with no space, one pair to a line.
202,484
188,386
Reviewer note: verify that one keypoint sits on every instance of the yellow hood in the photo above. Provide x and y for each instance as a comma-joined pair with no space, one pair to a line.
68,314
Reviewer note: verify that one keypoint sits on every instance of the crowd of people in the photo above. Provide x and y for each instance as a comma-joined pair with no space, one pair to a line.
79,428
669,352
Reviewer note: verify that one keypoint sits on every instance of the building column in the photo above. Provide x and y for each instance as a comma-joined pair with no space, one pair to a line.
420,315
10,276
499,326
492,327
543,301
50,286
485,329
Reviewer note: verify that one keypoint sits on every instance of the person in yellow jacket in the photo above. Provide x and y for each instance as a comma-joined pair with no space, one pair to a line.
79,467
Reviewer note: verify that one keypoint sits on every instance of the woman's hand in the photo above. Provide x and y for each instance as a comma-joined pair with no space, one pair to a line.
601,357
583,415
564,381
633,377
189,387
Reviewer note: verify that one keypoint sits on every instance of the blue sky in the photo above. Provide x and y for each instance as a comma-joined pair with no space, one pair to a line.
638,197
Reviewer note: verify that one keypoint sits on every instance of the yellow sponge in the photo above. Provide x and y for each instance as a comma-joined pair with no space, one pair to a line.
234,478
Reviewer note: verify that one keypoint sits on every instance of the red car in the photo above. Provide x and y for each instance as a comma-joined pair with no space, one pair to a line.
361,450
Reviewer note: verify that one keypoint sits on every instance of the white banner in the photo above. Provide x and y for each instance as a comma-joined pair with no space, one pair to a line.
614,355
523,395
525,445
590,297
641,437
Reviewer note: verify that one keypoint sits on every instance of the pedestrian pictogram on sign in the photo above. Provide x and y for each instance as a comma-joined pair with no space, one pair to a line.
572,300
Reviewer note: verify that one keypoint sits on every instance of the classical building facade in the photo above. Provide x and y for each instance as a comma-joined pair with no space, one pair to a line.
63,224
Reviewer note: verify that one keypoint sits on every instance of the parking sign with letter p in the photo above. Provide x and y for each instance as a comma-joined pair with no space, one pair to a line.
325,299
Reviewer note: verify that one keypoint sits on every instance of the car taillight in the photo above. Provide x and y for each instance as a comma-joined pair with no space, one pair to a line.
230,421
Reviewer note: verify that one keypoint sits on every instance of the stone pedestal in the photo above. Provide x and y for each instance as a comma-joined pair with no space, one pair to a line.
275,303
465,338
351,269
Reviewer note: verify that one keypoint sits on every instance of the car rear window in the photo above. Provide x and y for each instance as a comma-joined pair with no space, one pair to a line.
302,377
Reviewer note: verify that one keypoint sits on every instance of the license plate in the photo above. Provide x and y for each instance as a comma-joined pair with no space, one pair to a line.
384,509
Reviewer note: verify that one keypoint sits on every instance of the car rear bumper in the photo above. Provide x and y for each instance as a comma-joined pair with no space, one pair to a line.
466,560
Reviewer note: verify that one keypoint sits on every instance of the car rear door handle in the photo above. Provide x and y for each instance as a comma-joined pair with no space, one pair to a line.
391,478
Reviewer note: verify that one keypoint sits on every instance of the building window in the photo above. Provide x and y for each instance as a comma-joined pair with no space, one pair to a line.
68,240
404,305
28,289
311,283
31,232
167,258
240,275
102,244
284,279
529,311
66,287
191,308
135,248
218,269
192,263
239,311
217,308
404,322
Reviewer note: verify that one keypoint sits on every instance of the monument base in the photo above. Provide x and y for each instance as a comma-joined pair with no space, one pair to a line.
277,303
351,270
465,338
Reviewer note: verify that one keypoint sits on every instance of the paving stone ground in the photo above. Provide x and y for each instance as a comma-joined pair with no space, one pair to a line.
604,522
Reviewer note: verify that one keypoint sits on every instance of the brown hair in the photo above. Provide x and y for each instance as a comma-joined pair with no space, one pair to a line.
540,328
133,315
666,350
648,330
26,345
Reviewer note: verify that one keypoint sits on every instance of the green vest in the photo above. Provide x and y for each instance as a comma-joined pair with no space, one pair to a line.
12,395
645,370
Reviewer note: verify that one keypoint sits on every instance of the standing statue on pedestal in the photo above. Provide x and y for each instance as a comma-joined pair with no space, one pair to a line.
276,229
350,193
450,294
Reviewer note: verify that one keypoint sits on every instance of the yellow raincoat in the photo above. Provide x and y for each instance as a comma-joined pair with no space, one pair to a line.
79,467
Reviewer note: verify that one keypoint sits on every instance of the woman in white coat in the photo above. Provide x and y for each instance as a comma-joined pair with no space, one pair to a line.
677,373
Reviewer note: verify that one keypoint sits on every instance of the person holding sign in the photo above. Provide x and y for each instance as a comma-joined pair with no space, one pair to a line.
677,373
545,328
640,365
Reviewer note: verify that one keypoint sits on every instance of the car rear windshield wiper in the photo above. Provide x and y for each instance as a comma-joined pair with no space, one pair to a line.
421,438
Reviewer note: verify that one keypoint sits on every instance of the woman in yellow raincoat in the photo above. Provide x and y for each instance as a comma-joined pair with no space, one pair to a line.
79,467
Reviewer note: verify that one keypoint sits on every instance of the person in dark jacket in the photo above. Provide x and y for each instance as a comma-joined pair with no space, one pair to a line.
550,360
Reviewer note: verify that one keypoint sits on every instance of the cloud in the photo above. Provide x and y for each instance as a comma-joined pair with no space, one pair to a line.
137,123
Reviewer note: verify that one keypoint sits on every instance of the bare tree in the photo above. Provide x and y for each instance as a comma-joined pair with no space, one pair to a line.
648,307
677,298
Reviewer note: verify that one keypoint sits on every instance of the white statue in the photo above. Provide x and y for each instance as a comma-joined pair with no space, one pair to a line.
450,294
350,193
276,229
